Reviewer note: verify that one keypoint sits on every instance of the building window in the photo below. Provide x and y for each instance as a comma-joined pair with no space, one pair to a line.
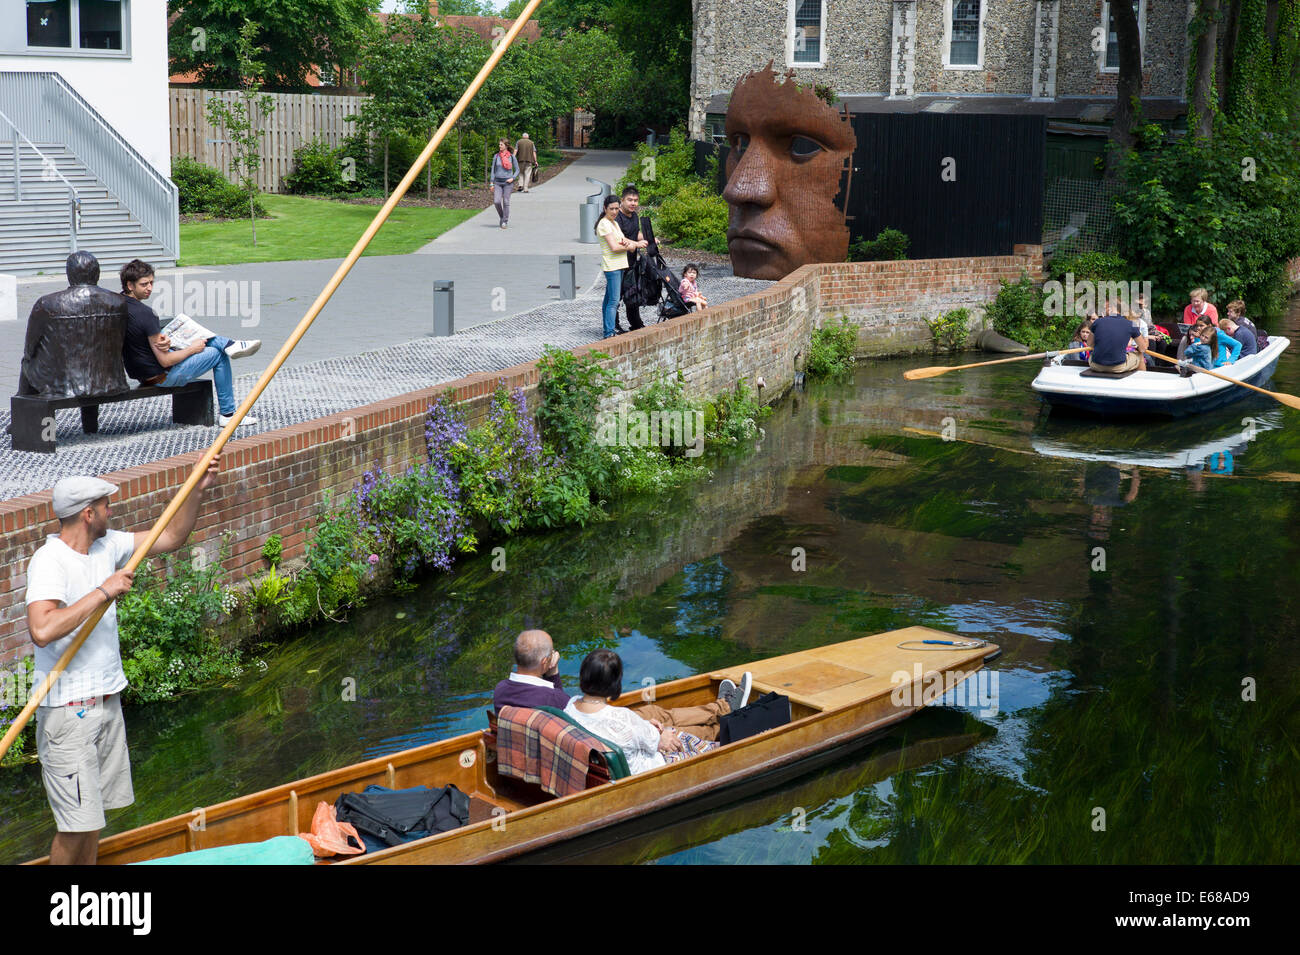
76,25
1111,56
808,32
963,47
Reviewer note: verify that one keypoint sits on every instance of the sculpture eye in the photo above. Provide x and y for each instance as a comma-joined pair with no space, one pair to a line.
740,142
801,147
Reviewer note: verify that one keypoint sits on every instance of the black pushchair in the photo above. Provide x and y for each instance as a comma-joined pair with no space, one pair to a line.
652,282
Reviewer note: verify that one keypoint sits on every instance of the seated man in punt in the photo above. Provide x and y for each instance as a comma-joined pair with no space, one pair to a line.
649,736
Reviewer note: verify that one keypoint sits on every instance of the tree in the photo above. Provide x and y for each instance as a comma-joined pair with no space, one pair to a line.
561,17
1200,100
298,38
242,119
1128,91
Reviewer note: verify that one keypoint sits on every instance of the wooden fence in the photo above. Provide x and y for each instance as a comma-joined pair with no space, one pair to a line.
297,119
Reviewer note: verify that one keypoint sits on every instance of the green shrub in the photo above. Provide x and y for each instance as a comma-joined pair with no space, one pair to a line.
319,170
832,350
733,416
204,191
890,244
1017,313
167,625
15,683
950,330
1190,214
659,172
1091,267
695,217
273,549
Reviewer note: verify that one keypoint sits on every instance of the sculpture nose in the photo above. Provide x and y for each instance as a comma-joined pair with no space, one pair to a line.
752,182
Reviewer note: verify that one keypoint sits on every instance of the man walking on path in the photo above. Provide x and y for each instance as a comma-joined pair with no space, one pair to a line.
630,223
147,354
80,735
526,153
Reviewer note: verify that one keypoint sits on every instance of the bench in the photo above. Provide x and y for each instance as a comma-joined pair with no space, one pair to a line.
32,416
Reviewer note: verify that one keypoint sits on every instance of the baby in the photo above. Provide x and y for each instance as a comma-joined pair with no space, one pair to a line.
690,292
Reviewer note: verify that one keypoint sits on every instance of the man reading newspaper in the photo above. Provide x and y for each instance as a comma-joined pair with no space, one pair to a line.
182,352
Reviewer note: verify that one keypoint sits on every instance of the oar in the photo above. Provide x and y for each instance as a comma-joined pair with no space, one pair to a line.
938,370
206,458
1291,401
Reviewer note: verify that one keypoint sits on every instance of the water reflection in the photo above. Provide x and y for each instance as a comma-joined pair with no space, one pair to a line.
1155,681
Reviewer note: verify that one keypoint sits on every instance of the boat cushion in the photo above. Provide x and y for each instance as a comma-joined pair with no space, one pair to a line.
1105,374
280,850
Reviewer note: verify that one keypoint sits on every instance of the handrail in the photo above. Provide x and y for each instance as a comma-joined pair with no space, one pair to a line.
53,111
48,164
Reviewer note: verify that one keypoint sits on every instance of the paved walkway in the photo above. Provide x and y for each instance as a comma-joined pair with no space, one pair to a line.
385,299
139,431
372,341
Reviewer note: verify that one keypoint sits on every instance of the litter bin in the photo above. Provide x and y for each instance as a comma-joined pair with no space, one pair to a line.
589,212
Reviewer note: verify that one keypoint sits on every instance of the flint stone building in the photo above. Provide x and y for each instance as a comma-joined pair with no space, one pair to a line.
1057,58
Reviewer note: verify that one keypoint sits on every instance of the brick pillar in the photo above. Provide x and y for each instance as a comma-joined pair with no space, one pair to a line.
902,60
1046,34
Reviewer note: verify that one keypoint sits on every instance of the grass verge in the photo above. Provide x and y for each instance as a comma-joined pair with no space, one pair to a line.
312,229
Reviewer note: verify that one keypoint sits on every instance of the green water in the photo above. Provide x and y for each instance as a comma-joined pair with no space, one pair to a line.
1120,732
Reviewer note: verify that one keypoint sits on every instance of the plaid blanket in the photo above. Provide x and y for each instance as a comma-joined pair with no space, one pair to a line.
540,748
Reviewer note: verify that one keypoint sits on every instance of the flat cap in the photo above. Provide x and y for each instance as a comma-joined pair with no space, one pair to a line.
71,494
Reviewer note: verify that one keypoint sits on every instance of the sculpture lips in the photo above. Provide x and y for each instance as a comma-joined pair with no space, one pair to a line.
751,241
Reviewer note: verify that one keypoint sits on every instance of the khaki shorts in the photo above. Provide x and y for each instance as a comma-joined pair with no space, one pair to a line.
84,762
1132,362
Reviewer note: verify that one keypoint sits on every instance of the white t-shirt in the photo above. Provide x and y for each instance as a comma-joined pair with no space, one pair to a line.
57,572
627,730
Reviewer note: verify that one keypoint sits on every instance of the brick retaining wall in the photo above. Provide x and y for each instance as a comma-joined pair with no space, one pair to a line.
273,482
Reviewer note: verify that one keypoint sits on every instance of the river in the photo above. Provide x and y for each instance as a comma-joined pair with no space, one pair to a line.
1141,580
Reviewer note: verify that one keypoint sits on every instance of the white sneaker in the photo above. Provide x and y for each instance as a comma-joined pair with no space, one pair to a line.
242,349
225,419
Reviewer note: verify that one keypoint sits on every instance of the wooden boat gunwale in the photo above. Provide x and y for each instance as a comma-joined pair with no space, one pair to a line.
450,760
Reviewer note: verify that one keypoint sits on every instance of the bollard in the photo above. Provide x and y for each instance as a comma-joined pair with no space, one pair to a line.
443,308
568,277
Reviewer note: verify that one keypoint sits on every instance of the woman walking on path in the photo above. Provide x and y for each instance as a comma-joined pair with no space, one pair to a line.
614,247
505,169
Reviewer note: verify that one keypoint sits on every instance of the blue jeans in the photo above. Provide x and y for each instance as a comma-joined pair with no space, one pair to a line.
613,289
213,358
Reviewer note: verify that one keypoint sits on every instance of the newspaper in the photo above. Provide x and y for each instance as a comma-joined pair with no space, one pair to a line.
183,331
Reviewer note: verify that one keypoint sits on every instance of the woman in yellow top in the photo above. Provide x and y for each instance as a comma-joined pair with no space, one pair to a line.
613,260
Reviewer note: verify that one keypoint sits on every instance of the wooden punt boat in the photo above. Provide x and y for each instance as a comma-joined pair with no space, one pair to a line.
1068,383
841,696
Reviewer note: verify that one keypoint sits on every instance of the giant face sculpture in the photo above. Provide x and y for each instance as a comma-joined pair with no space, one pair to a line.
788,164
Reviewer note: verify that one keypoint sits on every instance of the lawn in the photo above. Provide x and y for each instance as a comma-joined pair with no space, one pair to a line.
312,229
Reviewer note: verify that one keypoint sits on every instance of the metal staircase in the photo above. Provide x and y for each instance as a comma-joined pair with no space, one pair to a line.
76,184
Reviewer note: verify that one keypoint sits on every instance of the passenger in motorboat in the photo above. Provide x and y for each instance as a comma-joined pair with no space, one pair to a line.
1198,306
1111,335
1243,335
1212,348
1082,338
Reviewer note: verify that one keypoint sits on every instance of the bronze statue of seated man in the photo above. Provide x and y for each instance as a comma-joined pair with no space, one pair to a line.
74,338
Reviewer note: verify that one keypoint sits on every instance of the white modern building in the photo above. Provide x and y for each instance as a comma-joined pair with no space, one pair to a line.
84,133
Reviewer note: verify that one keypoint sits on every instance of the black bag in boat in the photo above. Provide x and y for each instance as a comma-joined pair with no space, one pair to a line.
388,817
765,713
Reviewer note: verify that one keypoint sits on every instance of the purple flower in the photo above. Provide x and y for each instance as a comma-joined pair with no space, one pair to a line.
374,558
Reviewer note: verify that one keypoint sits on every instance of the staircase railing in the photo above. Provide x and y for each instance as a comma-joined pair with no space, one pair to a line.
49,170
48,109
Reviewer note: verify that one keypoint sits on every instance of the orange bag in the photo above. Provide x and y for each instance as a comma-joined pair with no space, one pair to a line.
329,837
